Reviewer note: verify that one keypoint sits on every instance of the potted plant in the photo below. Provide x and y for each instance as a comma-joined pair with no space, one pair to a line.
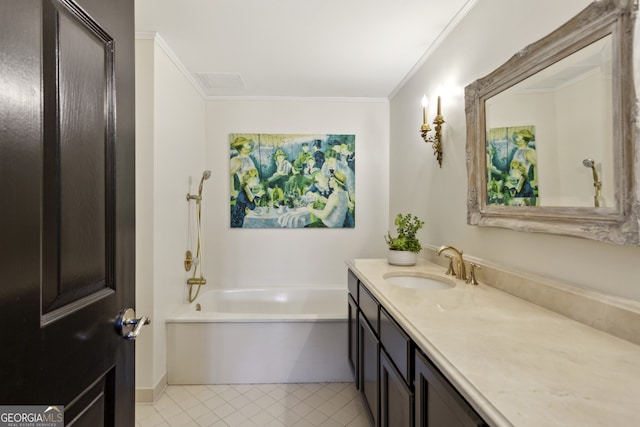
404,248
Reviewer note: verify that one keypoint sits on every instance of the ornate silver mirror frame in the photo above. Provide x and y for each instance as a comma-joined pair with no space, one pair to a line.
617,224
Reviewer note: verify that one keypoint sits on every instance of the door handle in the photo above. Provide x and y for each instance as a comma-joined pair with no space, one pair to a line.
128,326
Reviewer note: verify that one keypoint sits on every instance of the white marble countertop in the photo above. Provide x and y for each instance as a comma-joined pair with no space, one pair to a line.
515,362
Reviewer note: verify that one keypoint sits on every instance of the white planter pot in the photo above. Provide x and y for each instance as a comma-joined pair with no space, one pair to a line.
402,258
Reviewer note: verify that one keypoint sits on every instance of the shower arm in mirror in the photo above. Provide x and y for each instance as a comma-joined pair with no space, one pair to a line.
597,184
617,224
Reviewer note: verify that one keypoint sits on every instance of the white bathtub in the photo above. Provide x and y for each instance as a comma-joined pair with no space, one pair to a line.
274,335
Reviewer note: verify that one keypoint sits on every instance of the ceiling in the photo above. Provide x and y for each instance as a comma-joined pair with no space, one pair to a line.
298,48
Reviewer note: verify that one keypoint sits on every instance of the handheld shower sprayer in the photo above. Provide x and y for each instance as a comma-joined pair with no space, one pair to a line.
197,279
205,175
589,163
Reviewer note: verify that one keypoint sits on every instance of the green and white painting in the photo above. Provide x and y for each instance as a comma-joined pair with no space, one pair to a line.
292,180
512,166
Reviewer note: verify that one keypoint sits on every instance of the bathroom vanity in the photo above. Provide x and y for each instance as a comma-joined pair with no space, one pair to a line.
465,355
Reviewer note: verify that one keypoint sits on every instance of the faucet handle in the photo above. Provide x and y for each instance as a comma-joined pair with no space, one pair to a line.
450,271
472,273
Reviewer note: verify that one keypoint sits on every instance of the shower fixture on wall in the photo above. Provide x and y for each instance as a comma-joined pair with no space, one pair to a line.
205,175
597,184
197,278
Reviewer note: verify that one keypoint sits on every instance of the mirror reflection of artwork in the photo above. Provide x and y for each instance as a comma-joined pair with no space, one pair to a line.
292,180
512,169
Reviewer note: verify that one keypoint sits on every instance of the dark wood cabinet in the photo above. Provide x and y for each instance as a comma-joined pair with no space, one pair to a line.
397,344
396,396
352,284
352,345
369,307
399,385
353,313
368,368
437,403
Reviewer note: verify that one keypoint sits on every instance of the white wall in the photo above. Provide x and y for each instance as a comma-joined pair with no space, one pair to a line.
295,257
170,159
490,34
144,207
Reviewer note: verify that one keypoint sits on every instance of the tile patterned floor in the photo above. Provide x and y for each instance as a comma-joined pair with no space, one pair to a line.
256,405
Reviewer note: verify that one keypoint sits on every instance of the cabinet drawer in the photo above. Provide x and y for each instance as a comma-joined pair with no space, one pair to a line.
397,344
369,307
352,285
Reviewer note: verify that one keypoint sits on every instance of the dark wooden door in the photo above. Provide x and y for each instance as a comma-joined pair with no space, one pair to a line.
67,218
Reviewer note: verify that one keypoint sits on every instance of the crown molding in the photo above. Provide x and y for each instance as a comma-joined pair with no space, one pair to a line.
436,43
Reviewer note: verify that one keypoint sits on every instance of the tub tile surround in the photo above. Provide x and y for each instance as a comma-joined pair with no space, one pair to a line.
516,362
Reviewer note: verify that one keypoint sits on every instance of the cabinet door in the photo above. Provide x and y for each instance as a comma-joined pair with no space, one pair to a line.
437,403
396,399
369,360
353,338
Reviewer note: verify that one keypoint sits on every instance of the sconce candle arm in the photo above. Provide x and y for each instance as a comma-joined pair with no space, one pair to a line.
436,138
425,104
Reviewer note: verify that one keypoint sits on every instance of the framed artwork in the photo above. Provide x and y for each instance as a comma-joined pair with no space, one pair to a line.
292,180
512,167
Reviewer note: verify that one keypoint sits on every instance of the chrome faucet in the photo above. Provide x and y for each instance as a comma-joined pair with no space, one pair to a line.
462,272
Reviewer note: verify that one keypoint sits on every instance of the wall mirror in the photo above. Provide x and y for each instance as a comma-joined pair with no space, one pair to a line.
551,133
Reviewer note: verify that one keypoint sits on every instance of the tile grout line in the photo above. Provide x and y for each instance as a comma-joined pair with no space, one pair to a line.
312,404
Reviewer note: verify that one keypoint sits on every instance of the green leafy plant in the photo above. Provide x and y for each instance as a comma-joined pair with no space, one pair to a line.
407,226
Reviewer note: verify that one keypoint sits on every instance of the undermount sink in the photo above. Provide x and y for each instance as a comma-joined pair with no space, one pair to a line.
419,281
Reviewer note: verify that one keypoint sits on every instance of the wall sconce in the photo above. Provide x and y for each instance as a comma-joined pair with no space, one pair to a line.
435,139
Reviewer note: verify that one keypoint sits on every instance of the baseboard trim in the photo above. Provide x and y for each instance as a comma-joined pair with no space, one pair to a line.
150,395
